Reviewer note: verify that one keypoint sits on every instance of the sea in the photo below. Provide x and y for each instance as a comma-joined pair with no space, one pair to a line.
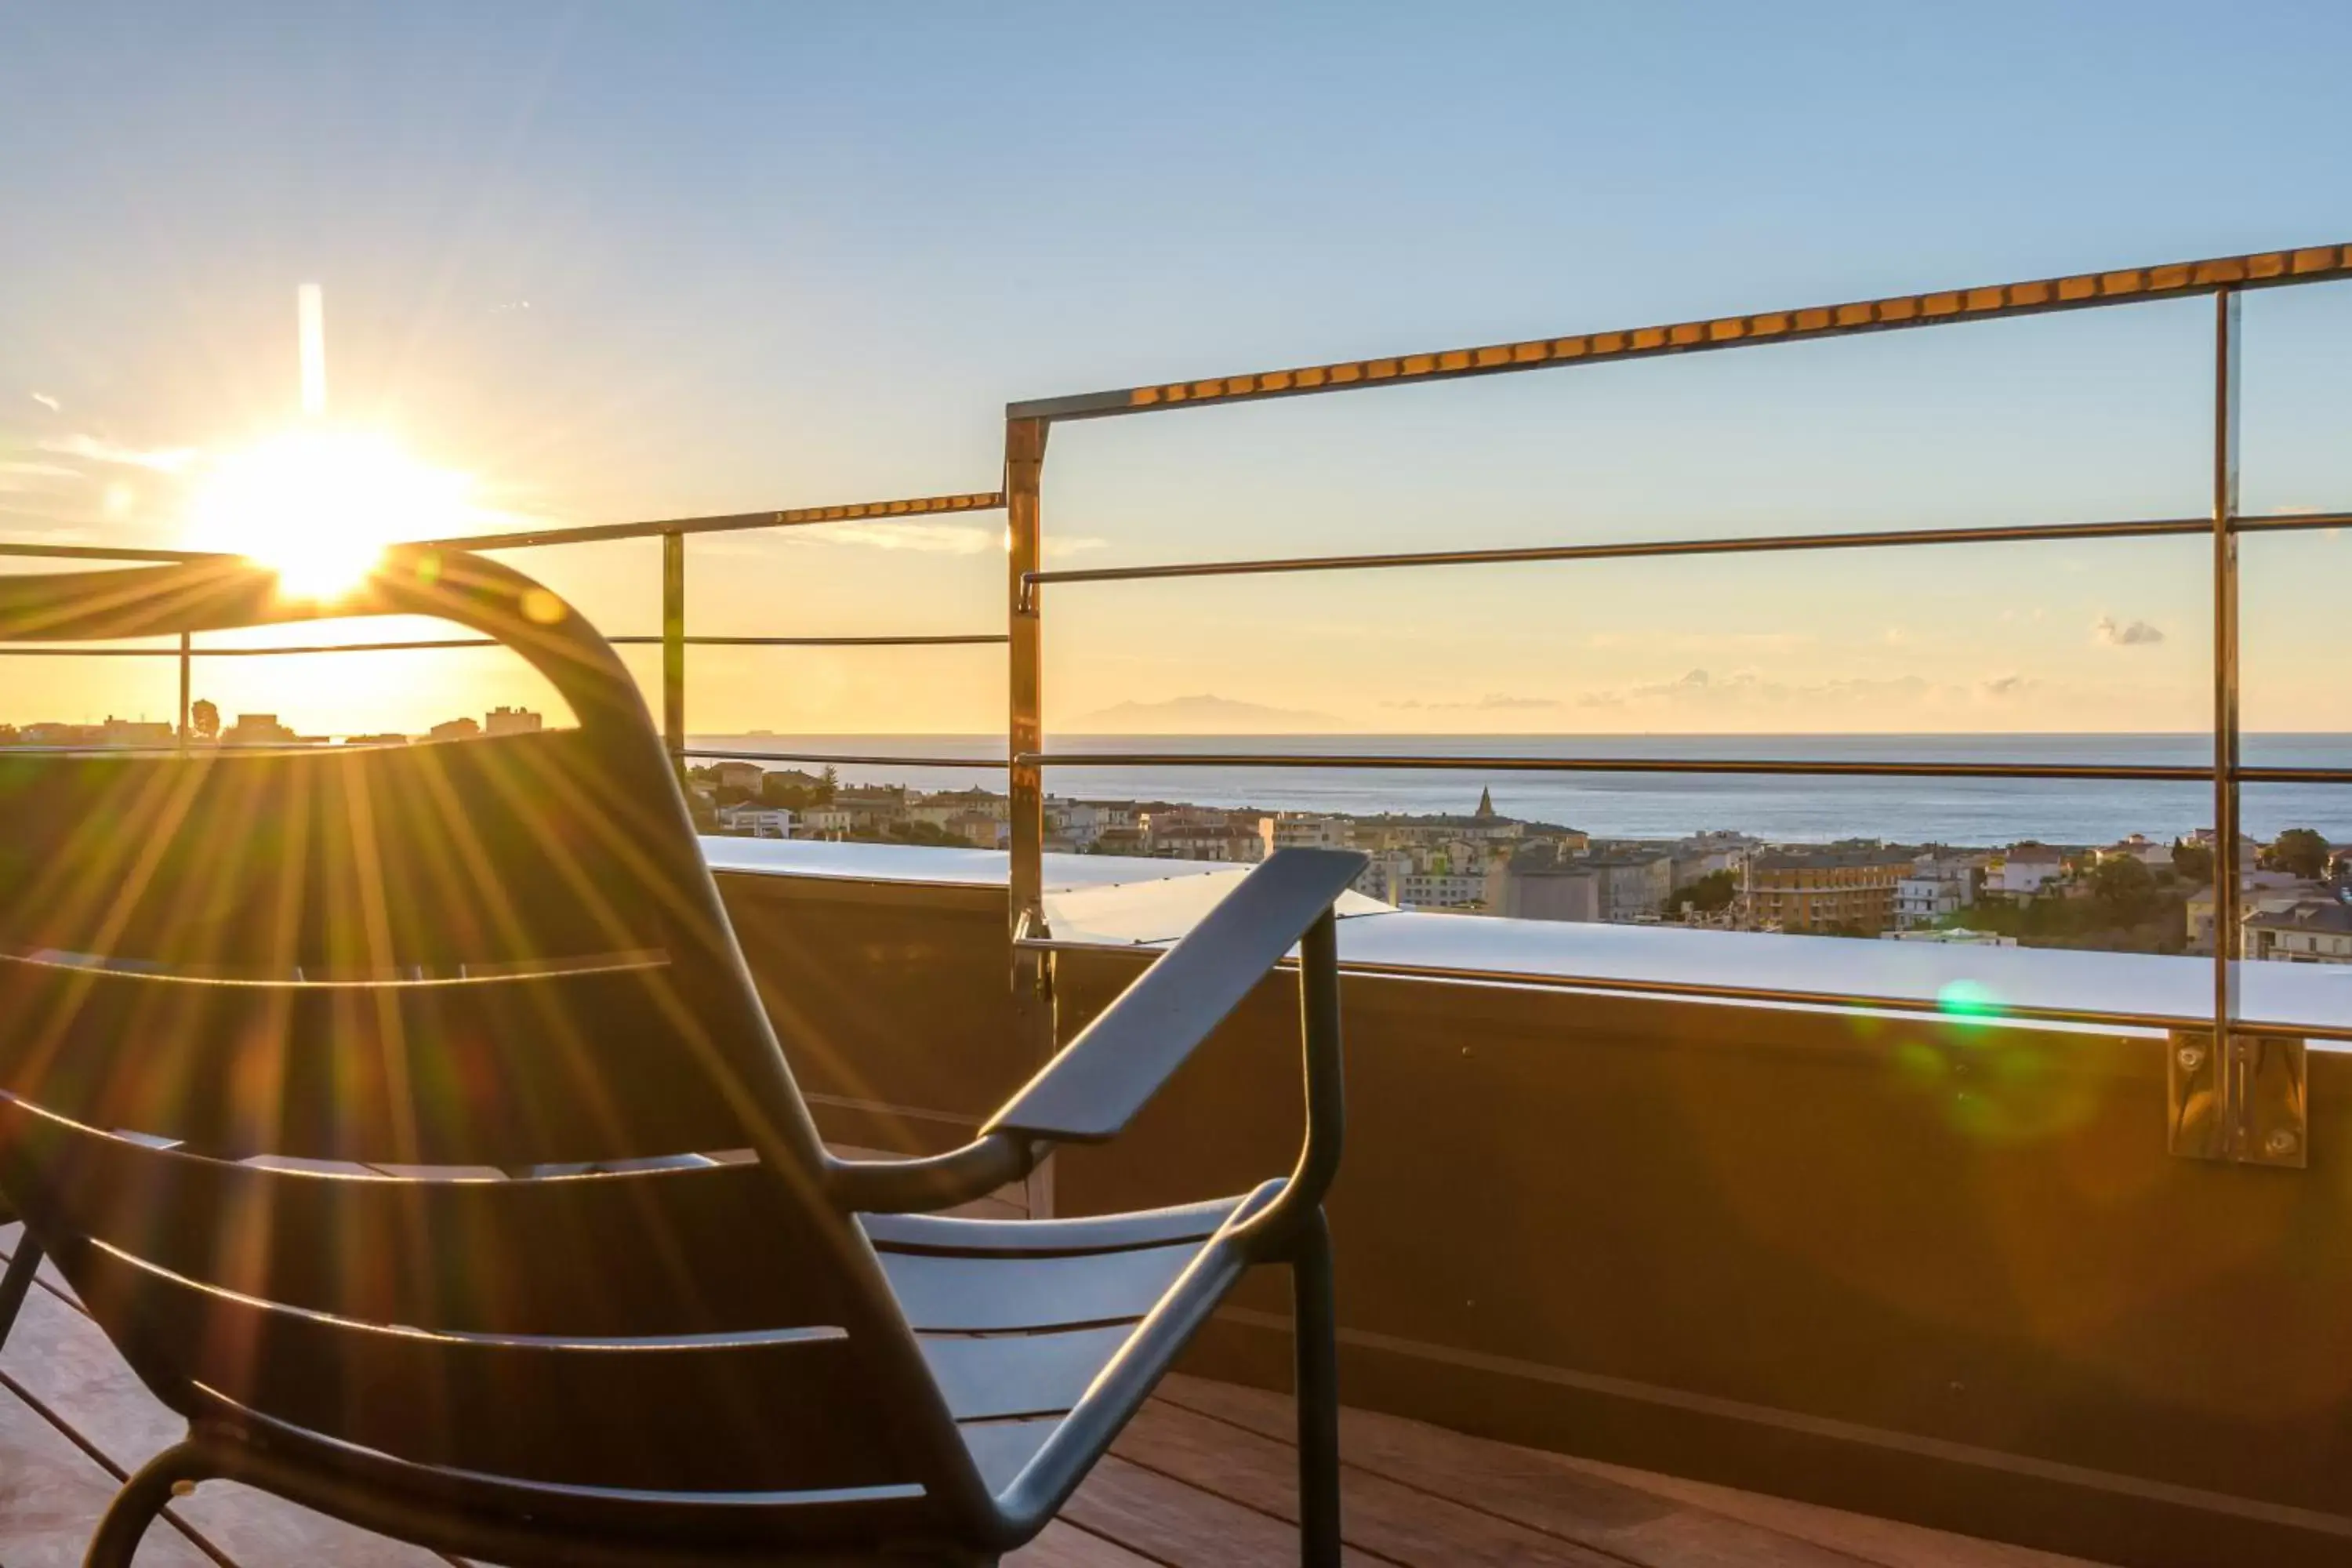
1657,805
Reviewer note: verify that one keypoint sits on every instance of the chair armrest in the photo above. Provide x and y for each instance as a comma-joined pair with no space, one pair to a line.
1091,1091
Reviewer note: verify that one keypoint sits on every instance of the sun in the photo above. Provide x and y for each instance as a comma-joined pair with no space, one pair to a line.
318,505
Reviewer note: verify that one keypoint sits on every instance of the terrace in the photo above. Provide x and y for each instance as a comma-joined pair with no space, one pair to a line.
1654,1246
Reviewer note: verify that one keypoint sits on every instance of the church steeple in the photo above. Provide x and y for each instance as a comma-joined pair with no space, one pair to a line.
1486,803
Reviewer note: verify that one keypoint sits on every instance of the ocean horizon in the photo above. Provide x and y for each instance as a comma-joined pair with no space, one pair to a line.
1980,812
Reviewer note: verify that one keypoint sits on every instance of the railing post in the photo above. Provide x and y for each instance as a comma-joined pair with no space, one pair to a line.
1032,975
2226,872
187,673
673,650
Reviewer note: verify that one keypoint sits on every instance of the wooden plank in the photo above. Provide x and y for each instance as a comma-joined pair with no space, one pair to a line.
1064,1545
1394,1521
61,1358
1184,1526
1643,1518
1888,1541
52,1493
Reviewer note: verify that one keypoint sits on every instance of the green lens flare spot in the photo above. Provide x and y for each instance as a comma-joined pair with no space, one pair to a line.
1967,999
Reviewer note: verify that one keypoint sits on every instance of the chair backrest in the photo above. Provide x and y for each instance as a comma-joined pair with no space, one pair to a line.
263,1014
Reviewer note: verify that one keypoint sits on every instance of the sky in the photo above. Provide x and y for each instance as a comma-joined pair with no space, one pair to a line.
621,262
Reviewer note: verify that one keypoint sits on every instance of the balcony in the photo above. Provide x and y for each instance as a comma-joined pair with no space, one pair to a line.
1655,1247
1629,1359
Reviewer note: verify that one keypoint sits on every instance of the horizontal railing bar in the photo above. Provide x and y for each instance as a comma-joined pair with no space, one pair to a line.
650,640
2154,773
1703,990
2255,774
2141,528
2082,291
103,552
954,639
839,759
735,522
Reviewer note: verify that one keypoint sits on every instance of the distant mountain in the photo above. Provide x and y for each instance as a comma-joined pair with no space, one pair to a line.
1202,715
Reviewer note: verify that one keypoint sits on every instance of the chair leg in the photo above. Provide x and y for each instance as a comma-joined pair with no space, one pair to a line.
1315,1324
135,1508
17,1281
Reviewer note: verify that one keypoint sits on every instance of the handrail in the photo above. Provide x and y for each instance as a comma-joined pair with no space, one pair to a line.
1633,550
2159,772
673,639
902,510
421,644
2086,290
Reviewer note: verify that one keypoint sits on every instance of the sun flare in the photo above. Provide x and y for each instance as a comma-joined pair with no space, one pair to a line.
317,506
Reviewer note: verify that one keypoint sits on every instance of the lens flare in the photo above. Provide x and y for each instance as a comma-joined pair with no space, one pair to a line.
319,506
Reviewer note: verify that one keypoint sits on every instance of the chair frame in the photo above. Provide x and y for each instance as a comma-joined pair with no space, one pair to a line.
1087,1093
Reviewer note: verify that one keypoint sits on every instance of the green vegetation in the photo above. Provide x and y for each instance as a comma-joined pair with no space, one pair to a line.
2300,851
1709,895
2120,907
798,791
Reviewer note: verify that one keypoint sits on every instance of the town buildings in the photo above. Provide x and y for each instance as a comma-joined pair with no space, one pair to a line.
258,730
1844,889
512,721
756,821
2027,868
2314,929
1934,890
1546,881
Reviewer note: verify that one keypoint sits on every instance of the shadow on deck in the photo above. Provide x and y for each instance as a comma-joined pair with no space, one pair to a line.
1202,1479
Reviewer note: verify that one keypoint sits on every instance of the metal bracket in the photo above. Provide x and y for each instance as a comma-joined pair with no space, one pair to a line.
2246,1105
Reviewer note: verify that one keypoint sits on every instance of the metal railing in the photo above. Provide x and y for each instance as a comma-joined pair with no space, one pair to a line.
672,639
1028,425
2225,279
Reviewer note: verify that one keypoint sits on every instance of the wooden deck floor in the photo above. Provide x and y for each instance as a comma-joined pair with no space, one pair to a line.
1202,1478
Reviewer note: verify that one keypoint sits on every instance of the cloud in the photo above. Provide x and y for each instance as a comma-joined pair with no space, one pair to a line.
1494,702
2004,685
97,449
2131,634
46,401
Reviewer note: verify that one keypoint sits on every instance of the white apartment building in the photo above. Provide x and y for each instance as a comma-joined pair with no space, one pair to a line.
1308,830
758,821
826,821
2027,868
1631,884
2316,929
1934,890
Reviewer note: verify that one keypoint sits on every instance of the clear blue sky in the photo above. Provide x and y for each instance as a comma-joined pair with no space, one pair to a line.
775,255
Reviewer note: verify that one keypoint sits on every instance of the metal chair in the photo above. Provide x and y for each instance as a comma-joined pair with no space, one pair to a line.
277,1027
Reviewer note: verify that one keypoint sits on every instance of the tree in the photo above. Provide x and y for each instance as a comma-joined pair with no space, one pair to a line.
2193,861
203,718
2123,886
2302,851
1710,893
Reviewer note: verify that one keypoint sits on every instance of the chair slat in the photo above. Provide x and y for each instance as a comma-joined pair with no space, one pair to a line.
996,1295
588,1066
706,1414
1044,1238
986,1377
362,857
714,1248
